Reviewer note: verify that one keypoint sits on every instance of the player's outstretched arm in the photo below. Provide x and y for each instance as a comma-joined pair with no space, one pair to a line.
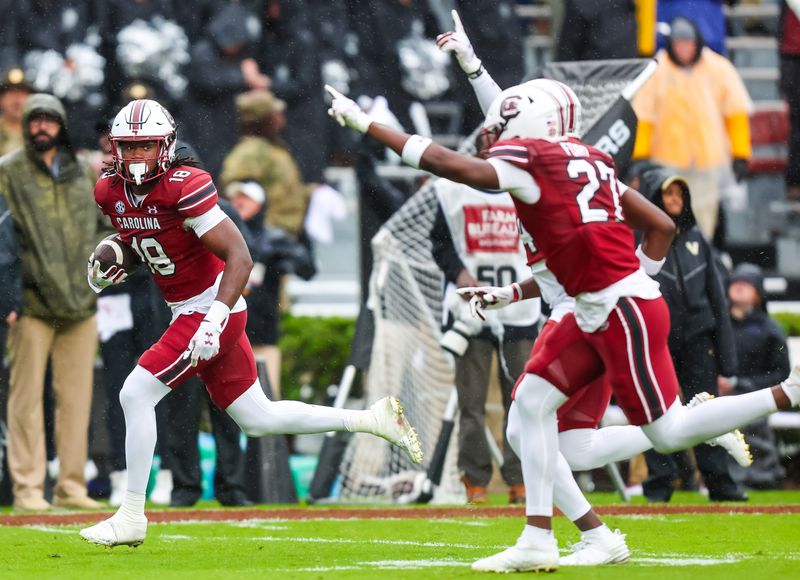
419,152
657,226
457,42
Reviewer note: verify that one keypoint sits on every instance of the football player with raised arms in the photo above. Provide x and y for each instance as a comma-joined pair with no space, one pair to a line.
583,445
569,199
166,209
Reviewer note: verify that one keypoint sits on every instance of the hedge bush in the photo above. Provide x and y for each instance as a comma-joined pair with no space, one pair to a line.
789,321
314,352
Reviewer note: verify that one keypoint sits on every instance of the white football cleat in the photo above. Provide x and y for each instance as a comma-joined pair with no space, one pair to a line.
732,442
392,425
610,548
116,531
542,558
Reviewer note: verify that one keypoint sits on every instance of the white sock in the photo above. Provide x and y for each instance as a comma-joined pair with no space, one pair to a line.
132,507
587,449
533,536
599,532
258,416
681,427
138,398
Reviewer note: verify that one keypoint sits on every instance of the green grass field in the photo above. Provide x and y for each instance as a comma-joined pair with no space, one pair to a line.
680,546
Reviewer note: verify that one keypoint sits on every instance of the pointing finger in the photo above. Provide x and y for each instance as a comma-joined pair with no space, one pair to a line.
334,93
457,21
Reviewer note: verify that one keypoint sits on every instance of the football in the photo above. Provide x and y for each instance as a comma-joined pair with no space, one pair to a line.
112,251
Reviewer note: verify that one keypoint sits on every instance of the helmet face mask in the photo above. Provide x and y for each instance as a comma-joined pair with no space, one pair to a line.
143,121
537,109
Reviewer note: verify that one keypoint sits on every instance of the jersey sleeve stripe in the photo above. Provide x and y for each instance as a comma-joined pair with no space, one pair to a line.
190,201
509,152
519,161
188,195
200,201
509,146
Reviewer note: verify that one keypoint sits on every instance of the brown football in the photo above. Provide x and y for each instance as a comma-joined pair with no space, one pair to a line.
112,251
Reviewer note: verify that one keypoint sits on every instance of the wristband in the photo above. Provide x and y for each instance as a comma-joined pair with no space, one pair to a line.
516,289
218,312
475,74
413,149
651,266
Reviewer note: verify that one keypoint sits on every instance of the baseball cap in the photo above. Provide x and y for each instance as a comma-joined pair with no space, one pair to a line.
250,189
14,79
256,105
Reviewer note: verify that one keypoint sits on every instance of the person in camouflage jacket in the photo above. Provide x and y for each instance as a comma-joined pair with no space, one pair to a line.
57,225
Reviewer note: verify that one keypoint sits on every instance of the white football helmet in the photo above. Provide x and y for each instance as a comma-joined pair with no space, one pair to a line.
537,109
143,120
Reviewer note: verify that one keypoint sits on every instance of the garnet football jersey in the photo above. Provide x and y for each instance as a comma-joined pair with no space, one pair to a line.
154,227
577,221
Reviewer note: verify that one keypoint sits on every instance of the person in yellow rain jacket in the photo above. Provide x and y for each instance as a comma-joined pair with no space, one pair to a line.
694,118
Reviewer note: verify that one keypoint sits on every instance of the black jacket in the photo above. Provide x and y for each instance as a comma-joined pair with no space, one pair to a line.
214,82
763,352
691,281
10,273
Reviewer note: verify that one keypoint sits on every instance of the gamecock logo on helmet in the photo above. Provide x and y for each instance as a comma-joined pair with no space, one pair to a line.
510,107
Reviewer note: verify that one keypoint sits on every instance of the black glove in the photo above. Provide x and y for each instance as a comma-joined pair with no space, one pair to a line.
739,169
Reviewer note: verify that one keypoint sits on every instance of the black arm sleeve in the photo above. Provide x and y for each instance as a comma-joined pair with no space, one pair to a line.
444,251
727,361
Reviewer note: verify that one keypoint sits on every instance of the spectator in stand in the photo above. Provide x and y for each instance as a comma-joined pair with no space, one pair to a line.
700,339
222,65
597,30
58,25
763,355
694,119
10,309
262,157
14,91
290,53
47,189
380,26
706,14
789,29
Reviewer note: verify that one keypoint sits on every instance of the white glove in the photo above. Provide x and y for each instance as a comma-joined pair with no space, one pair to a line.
205,342
458,43
347,112
99,280
490,297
